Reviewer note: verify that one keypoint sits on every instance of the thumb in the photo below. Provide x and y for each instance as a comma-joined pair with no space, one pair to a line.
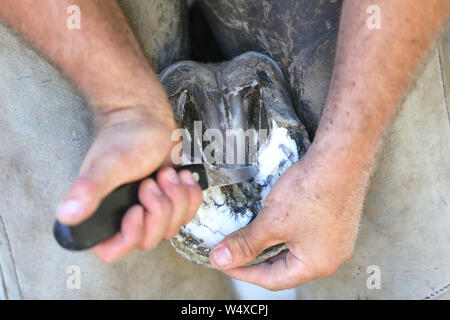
104,169
101,177
245,244
84,196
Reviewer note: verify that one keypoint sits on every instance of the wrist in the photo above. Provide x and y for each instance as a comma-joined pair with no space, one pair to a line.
343,157
132,89
132,103
349,133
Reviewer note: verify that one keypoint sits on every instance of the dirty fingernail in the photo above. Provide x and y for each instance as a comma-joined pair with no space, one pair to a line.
188,178
70,209
222,257
172,176
153,187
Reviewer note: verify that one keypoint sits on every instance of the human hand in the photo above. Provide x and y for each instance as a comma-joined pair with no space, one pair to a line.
131,143
314,209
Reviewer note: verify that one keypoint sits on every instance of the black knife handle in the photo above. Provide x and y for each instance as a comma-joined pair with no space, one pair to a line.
106,220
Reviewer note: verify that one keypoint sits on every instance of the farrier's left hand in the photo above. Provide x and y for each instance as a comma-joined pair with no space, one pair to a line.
314,209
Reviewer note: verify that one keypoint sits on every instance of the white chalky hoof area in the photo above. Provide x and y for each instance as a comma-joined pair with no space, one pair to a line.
249,92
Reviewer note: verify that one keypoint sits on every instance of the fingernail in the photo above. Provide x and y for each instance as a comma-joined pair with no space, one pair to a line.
70,209
222,257
172,176
153,187
188,178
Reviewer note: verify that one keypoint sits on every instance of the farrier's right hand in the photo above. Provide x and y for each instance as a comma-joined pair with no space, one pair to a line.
131,143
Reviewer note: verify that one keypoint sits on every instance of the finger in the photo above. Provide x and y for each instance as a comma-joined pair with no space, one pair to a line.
195,194
285,272
170,184
243,245
130,236
158,212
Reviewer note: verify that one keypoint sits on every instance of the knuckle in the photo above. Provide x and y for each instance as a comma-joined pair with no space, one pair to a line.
85,186
177,193
144,195
154,207
243,243
165,208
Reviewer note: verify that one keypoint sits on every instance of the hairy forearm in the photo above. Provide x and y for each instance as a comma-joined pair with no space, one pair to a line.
372,71
102,59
